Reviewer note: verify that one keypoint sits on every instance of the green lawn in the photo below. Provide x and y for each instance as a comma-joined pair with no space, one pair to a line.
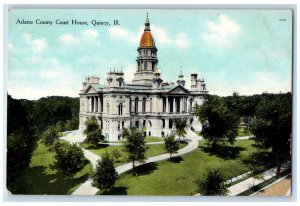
43,177
243,132
177,177
148,139
152,151
154,139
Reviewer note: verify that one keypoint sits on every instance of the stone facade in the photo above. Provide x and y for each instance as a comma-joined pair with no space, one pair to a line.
146,102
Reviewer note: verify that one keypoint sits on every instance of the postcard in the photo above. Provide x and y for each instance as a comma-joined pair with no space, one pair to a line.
151,102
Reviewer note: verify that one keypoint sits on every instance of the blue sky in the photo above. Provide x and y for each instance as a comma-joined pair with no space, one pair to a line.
246,51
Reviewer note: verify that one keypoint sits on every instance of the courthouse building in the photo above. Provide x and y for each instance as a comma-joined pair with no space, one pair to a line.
145,102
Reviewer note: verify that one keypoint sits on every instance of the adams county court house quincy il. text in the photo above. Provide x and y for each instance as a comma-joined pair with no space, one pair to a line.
145,102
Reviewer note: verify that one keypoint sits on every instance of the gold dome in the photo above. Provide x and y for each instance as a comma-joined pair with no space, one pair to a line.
147,40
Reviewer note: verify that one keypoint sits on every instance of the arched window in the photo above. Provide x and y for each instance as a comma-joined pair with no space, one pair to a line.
145,66
144,105
150,105
150,123
120,109
149,134
162,134
163,123
136,105
120,83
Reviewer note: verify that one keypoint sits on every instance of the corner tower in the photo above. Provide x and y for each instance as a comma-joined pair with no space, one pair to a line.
147,57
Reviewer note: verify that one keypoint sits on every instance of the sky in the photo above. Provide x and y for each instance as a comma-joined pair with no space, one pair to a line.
244,51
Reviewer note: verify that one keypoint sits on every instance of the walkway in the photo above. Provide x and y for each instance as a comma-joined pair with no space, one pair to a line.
251,182
87,189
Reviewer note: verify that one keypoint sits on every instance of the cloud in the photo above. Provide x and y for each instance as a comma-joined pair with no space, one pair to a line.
37,45
90,33
118,32
161,36
223,32
34,93
255,84
10,46
88,36
68,38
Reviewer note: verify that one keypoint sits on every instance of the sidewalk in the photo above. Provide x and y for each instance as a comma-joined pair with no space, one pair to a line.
251,182
87,189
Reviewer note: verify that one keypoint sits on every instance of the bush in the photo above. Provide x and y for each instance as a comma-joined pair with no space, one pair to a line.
72,124
116,154
105,175
171,144
49,136
93,132
94,137
213,184
70,158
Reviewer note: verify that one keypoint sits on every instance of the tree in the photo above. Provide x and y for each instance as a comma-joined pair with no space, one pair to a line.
135,145
60,127
70,158
105,175
93,132
116,154
171,144
219,123
272,126
72,124
21,139
180,125
50,135
213,184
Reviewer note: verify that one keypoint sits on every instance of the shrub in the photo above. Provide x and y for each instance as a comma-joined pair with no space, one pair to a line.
105,175
116,154
171,144
70,158
213,184
49,136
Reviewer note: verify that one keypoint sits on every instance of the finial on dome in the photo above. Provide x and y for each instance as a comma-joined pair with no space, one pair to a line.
147,23
147,19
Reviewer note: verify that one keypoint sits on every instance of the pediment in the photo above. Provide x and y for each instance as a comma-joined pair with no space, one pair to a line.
179,90
90,89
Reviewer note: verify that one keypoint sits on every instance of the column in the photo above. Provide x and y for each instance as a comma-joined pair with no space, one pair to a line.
94,104
99,105
174,105
90,104
181,105
167,105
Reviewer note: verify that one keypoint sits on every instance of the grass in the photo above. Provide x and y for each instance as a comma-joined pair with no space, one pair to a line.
154,139
44,177
102,149
178,176
148,139
243,131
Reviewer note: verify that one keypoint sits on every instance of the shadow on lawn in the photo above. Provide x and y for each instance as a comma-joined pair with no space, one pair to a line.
177,159
99,146
36,180
115,191
262,159
223,151
145,169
